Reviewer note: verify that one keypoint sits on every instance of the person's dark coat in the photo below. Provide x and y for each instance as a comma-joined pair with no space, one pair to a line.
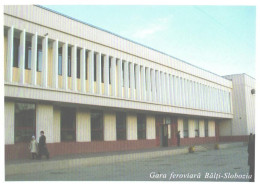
42,146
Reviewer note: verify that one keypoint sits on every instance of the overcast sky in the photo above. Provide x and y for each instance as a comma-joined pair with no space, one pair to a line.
220,39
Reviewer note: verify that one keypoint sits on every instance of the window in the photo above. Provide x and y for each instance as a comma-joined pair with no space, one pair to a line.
78,63
16,52
28,53
197,129
69,61
68,124
39,57
96,126
185,128
24,122
141,126
60,61
206,124
121,126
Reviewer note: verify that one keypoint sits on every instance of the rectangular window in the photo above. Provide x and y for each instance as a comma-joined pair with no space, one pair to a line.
141,126
28,53
185,128
24,122
206,124
39,57
78,63
96,126
60,61
69,61
16,52
197,128
68,124
121,126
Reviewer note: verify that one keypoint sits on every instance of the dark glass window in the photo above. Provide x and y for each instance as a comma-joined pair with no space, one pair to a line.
121,126
185,128
24,122
141,126
60,61
206,126
69,61
68,124
96,126
16,52
197,128
28,53
78,63
39,57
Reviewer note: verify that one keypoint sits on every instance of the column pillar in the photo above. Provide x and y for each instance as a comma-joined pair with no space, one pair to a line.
163,90
167,88
55,64
126,82
171,89
138,82
45,62
74,68
83,70
65,66
10,49
113,76
153,86
143,84
22,56
148,81
34,59
98,73
158,86
119,78
106,75
91,71
132,81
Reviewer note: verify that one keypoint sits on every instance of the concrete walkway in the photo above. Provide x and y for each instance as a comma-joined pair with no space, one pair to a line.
69,161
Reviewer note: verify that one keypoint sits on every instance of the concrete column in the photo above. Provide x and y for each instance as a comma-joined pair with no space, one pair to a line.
167,88
45,62
180,126
201,128
132,81
158,86
188,85
131,127
65,66
55,64
91,71
106,75
163,89
171,89
22,56
153,85
44,121
184,87
56,125
119,78
148,83
10,60
181,94
211,128
150,127
74,68
143,83
191,128
34,59
126,81
83,70
9,112
83,126
113,76
199,96
175,91
138,82
109,127
98,73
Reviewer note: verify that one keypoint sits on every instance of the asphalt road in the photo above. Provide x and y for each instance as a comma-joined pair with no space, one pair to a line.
213,165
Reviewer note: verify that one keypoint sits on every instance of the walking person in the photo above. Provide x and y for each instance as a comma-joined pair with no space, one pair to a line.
178,138
42,146
251,156
33,147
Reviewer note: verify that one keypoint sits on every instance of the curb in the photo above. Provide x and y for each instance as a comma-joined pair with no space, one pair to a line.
39,166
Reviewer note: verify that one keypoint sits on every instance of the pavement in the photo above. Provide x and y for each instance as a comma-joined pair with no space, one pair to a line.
27,166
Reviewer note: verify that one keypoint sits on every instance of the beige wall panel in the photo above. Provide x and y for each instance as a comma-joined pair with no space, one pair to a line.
16,74
191,128
180,126
39,79
150,127
225,128
5,54
28,76
50,66
59,81
109,126
83,126
202,128
169,132
211,128
131,127
9,122
56,125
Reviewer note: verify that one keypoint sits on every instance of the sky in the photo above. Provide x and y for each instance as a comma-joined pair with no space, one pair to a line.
220,39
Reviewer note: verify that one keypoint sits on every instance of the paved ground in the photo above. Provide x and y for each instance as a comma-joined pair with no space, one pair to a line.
230,162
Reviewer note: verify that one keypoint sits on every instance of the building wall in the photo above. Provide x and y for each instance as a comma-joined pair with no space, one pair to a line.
201,128
150,127
131,126
211,128
180,126
83,126
109,126
191,128
9,122
225,128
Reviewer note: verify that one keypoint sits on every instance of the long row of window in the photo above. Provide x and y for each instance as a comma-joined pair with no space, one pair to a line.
197,128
